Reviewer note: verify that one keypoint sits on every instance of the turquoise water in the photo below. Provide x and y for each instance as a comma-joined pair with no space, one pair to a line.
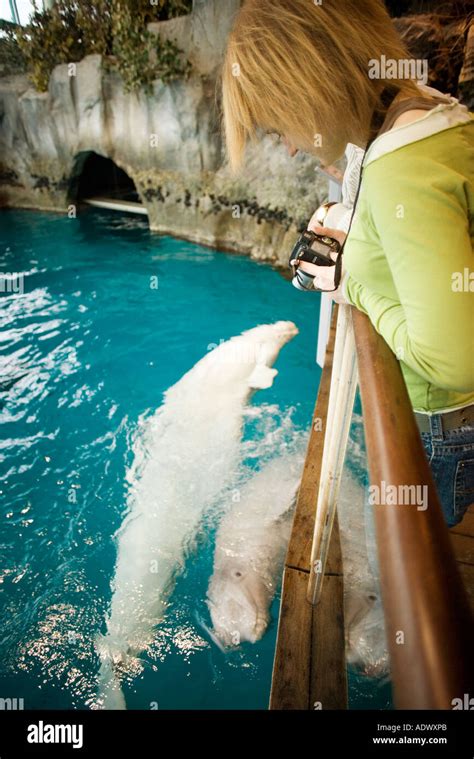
87,350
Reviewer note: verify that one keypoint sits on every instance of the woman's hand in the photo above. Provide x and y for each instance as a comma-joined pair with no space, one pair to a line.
325,277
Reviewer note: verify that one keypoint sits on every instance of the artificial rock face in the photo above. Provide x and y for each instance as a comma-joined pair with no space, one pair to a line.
169,142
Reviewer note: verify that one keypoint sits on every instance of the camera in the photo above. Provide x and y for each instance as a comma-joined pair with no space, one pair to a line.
314,249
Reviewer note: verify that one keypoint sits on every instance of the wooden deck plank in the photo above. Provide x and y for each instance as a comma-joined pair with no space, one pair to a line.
466,527
299,548
462,540
292,666
463,546
467,574
310,663
328,681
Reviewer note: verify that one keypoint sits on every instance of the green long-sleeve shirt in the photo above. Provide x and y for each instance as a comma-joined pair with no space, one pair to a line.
409,254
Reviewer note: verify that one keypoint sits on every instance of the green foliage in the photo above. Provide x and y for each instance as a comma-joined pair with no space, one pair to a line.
93,22
12,60
140,55
115,29
49,39
159,10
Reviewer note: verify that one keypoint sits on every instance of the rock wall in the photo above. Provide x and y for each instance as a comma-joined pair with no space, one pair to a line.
168,142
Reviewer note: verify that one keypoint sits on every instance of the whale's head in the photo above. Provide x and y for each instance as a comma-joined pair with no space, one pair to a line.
238,603
262,344
278,333
244,363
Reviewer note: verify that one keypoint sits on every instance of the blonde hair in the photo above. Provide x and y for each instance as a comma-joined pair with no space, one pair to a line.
300,69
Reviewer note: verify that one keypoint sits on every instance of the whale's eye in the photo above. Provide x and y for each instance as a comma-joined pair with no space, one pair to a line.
237,573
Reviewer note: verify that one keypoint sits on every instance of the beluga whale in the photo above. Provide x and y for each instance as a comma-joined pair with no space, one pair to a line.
185,455
250,548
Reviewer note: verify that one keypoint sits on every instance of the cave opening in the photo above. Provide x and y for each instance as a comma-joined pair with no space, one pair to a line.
97,178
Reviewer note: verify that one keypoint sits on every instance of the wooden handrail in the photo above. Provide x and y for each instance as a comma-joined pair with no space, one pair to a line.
427,616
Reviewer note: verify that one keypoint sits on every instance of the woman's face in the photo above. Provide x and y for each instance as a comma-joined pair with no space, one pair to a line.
333,152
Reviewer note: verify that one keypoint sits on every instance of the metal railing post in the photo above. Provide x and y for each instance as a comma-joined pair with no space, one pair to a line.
341,402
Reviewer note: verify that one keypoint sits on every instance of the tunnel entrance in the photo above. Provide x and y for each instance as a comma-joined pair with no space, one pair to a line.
98,181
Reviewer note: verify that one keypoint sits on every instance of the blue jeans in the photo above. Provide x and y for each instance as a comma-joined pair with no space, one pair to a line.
451,458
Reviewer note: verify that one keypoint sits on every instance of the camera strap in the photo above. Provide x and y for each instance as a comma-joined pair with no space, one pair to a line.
387,97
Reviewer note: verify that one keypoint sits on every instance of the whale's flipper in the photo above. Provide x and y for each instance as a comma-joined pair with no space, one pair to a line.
262,377
210,632
110,695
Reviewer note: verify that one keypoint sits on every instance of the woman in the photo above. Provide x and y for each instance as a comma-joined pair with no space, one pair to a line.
303,70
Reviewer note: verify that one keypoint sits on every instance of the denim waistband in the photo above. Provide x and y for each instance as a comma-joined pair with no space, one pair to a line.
444,423
438,433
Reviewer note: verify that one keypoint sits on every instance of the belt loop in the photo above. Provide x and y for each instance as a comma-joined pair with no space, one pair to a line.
436,426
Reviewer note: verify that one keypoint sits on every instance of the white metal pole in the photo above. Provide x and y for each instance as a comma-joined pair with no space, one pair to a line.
340,406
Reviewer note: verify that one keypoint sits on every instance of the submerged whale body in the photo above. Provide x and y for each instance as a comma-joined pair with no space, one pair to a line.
250,548
184,456
366,645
